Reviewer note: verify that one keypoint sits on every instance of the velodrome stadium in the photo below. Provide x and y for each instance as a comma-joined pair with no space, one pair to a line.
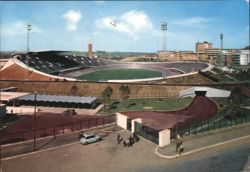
143,97
118,86
57,66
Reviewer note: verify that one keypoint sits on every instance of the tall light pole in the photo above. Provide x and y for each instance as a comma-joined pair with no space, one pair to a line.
221,41
29,27
164,37
35,123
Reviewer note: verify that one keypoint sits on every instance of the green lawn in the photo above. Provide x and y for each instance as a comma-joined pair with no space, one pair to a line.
119,74
113,106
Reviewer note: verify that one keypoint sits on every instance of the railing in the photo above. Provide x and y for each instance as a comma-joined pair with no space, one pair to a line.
210,124
147,132
56,130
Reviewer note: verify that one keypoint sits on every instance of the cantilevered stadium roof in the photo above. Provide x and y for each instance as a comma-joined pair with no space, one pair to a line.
63,99
9,96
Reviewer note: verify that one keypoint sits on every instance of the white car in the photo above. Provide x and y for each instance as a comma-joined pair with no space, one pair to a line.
89,138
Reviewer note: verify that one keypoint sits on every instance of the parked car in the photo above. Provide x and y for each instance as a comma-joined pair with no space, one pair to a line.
89,138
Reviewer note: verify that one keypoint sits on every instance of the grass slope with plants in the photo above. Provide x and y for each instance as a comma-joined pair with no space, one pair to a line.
113,106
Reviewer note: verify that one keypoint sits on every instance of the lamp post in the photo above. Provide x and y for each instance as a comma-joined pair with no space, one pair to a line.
29,27
164,29
35,123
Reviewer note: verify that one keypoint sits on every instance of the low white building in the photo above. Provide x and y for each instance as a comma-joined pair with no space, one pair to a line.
244,57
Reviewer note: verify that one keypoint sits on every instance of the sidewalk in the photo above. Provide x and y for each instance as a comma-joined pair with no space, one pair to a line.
201,142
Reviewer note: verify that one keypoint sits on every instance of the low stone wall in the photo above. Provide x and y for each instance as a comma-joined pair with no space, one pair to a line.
82,88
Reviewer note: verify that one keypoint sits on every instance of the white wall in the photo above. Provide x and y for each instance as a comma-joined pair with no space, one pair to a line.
181,75
139,120
121,120
211,92
136,80
164,138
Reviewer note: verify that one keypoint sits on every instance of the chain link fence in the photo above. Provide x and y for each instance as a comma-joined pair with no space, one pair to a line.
210,124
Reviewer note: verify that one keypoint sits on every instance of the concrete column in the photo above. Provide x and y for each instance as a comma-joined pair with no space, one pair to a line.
139,120
121,120
164,138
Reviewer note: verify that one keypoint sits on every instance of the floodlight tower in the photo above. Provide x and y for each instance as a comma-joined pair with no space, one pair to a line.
164,36
221,41
29,27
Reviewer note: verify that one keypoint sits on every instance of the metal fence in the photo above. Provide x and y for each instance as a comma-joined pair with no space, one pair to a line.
56,130
147,132
208,125
118,96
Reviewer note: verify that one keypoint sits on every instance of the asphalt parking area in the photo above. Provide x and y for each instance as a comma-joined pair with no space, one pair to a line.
106,155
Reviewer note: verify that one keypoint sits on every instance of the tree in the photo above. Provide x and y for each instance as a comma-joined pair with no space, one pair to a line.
125,91
106,94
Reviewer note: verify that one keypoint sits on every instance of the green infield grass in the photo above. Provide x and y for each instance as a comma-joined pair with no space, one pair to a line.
119,74
112,106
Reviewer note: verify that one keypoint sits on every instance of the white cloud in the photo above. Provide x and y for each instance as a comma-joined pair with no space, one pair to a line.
19,28
72,17
247,1
132,23
138,20
193,21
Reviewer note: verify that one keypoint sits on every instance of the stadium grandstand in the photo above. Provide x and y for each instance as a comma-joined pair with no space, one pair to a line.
54,62
58,65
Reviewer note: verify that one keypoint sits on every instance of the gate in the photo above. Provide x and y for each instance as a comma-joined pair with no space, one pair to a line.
129,124
147,132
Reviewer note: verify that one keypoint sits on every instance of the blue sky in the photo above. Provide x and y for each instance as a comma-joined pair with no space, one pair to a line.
123,25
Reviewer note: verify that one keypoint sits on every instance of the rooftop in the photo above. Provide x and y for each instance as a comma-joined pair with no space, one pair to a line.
9,96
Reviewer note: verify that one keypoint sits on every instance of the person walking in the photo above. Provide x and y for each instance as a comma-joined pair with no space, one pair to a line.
124,143
181,149
136,137
80,134
131,140
118,138
178,142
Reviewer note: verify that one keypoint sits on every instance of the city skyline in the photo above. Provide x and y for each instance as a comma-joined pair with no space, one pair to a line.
124,25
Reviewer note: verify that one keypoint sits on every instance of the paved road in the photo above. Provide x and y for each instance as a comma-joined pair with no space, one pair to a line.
108,156
207,139
230,158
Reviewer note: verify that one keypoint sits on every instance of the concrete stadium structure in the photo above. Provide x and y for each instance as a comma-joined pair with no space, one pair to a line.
53,65
52,72
209,92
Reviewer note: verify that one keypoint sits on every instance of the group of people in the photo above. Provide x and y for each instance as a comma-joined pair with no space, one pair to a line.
129,141
179,147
